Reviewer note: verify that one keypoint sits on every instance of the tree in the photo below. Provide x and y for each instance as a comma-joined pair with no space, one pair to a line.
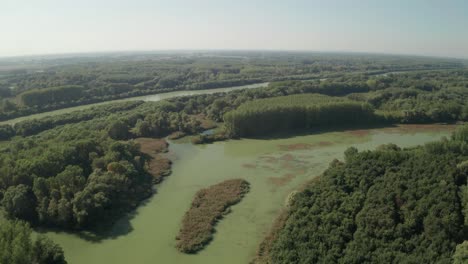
45,251
15,243
17,247
461,253
390,205
6,132
118,130
19,202
141,129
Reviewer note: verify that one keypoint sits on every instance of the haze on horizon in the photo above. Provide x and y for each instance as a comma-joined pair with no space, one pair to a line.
419,27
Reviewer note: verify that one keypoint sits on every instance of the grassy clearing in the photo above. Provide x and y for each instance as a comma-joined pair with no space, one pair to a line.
208,206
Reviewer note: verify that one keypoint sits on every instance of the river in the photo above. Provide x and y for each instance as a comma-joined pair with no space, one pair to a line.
152,97
274,168
161,96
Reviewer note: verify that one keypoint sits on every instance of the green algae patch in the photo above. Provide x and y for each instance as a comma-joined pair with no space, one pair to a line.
149,232
208,206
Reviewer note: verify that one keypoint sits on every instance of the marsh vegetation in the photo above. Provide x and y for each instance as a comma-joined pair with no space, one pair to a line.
208,207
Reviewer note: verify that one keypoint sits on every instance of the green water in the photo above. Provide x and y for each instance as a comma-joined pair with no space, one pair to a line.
152,97
273,167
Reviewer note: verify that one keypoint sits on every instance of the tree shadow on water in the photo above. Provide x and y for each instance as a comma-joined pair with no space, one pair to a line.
105,231
319,130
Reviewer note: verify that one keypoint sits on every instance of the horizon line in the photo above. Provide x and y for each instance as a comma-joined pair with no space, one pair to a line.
123,51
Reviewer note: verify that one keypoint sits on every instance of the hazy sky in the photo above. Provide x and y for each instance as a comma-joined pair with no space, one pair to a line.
425,27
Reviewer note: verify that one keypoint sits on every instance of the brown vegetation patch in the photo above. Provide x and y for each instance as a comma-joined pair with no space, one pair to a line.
287,157
269,159
283,180
152,146
297,146
208,206
159,167
205,122
304,146
422,128
157,164
266,167
288,165
249,166
324,143
359,132
176,135
301,171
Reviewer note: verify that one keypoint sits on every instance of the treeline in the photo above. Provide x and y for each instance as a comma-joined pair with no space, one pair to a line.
131,118
407,104
35,126
53,95
213,106
84,175
222,83
74,177
75,81
413,105
18,247
79,172
419,97
171,112
75,171
308,111
389,205
334,87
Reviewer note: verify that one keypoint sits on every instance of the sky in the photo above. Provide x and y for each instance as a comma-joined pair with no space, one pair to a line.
419,27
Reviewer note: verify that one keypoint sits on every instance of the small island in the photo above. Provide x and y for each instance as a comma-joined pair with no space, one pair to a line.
208,206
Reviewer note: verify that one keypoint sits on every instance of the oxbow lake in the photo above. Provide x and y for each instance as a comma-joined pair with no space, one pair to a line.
274,168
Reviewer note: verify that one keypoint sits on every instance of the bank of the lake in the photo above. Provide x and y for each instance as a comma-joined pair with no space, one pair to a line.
152,97
273,167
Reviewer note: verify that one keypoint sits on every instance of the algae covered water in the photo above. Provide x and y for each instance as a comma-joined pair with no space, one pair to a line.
274,168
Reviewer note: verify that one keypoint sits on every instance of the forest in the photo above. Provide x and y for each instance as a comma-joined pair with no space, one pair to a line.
55,83
286,113
17,246
389,205
395,98
83,170
75,179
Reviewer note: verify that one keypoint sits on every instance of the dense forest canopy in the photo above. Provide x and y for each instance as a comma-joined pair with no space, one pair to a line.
93,135
18,247
37,97
42,84
389,205
393,97
301,111
83,170
71,178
